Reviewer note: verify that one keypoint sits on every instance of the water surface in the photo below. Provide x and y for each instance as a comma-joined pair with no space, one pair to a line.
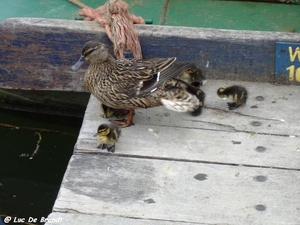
28,187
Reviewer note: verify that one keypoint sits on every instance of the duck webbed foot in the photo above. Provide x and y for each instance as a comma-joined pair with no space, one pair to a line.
111,148
233,105
102,146
125,122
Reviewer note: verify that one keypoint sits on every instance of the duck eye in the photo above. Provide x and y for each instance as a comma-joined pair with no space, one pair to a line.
89,51
85,54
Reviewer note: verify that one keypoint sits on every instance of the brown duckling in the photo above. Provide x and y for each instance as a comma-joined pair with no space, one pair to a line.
193,74
107,135
131,84
107,112
237,94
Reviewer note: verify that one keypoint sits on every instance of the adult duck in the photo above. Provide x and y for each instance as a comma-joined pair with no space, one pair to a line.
132,84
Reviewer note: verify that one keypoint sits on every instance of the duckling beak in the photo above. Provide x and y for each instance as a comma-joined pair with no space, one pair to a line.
95,135
79,63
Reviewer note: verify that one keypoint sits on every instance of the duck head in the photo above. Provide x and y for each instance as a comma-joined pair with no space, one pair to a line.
92,51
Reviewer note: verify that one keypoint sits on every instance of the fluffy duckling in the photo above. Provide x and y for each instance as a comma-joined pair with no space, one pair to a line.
107,112
237,94
107,135
131,84
193,74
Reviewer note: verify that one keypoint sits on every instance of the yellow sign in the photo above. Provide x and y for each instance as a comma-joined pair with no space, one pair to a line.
288,61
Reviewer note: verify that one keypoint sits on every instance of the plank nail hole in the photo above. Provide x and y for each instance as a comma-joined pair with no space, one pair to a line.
201,176
236,142
149,201
273,102
261,178
260,98
260,148
256,123
260,207
254,107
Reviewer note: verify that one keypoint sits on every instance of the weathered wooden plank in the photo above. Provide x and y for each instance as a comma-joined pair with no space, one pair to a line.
179,191
37,53
201,146
278,112
215,136
79,219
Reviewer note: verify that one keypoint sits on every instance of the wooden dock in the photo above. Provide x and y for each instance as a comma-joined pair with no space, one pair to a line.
223,167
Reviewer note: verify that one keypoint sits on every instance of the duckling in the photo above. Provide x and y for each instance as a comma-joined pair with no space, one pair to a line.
193,74
107,135
131,84
237,94
107,112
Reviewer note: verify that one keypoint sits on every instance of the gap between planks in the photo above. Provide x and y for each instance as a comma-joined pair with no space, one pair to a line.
186,160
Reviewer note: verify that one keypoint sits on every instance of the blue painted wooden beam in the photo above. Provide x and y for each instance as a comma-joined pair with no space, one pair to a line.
37,53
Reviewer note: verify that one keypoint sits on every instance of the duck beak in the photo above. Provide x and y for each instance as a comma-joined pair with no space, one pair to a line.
95,135
79,63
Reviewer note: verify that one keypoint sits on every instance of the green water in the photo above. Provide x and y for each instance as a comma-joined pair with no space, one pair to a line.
28,187
226,14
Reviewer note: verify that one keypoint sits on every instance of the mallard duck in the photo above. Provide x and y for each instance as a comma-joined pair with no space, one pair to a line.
107,135
192,79
237,94
132,84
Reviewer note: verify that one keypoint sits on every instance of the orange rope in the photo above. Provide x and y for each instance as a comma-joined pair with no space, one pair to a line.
78,3
115,18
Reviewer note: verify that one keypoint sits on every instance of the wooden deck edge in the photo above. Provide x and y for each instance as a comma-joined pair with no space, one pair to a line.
57,218
37,53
